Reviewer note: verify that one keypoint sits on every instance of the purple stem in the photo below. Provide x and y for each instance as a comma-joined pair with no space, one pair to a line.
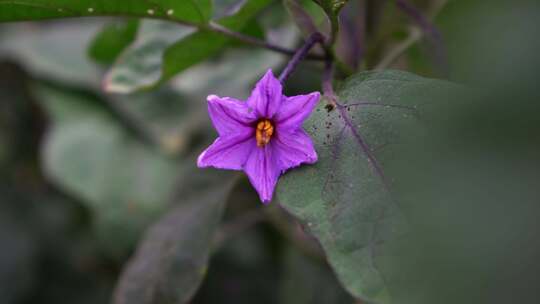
429,29
257,42
328,89
300,54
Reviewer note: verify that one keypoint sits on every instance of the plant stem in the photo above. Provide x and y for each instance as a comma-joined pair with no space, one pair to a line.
328,89
300,54
212,26
334,30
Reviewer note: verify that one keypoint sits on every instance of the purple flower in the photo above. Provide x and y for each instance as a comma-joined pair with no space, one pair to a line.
262,136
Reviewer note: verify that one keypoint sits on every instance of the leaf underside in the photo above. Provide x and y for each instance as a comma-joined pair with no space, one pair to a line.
192,11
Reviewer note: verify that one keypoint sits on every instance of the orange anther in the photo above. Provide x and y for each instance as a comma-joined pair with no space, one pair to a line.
264,132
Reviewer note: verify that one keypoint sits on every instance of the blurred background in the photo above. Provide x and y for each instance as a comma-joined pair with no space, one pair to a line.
84,173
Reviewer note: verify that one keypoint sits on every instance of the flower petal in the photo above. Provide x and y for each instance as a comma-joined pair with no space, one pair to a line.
292,149
228,115
267,96
296,109
229,152
263,172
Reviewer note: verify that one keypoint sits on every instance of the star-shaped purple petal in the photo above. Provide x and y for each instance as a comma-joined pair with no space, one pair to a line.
262,136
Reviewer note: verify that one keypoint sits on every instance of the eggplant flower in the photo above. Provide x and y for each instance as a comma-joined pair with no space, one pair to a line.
262,136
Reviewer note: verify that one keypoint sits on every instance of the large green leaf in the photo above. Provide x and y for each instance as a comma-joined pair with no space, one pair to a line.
171,261
125,183
345,199
192,11
164,50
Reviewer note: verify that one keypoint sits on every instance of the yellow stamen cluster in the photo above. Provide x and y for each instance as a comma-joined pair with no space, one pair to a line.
264,132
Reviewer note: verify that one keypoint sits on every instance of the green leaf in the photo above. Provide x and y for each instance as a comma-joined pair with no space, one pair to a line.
123,182
253,29
345,199
171,261
164,50
191,11
112,40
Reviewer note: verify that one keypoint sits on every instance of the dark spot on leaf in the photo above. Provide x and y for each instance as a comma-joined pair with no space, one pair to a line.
329,107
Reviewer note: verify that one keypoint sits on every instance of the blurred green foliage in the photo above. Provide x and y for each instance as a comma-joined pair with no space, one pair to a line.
100,199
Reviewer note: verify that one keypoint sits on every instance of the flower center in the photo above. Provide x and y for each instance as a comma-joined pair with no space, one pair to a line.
264,132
